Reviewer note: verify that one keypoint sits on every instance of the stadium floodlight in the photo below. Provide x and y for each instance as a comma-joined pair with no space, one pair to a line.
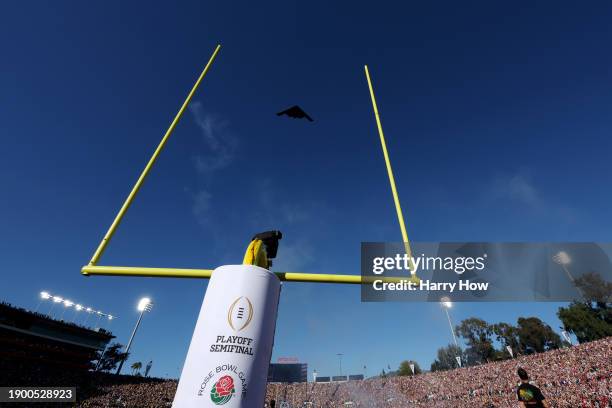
562,258
144,305
67,304
77,309
44,295
100,314
110,317
56,300
89,311
447,304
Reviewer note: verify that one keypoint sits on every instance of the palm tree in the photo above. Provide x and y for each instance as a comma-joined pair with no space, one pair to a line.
136,367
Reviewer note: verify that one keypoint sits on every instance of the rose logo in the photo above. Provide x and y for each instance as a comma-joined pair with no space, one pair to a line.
223,390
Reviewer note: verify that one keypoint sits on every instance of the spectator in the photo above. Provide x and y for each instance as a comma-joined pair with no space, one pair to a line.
528,394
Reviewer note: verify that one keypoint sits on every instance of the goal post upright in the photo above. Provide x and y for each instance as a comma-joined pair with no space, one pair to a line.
128,201
398,207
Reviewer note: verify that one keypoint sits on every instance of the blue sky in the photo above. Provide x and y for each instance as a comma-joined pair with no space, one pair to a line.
497,118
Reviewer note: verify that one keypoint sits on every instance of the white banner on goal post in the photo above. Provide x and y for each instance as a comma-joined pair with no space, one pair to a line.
229,355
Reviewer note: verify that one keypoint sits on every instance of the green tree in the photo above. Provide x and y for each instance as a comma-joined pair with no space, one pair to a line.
584,321
591,319
536,336
136,367
477,334
595,290
447,358
111,357
507,335
404,368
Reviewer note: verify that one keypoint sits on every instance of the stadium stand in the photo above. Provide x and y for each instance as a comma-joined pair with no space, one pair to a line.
28,338
576,377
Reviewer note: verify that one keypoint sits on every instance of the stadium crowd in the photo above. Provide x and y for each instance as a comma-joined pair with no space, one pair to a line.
577,377
574,378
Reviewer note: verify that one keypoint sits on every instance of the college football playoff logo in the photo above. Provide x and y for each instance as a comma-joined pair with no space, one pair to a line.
240,313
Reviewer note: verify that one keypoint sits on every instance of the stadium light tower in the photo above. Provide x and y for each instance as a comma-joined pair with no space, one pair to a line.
144,305
562,259
447,304
340,361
